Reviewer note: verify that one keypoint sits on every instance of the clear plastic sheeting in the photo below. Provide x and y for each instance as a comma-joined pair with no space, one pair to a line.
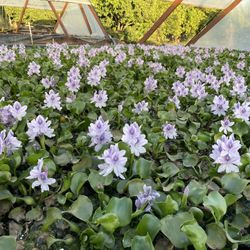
75,24
233,31
34,4
218,4
74,1
41,4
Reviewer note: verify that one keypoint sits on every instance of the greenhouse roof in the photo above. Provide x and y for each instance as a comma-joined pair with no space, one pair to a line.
229,28
218,4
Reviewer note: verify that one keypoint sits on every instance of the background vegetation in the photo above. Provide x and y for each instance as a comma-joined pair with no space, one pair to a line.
129,20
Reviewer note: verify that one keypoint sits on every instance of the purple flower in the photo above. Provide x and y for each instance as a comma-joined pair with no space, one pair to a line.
220,105
33,69
180,71
228,163
52,100
6,118
94,76
141,107
100,98
18,111
156,67
38,127
48,82
225,153
133,137
147,197
150,84
198,91
239,87
226,126
8,143
41,176
114,162
180,89
70,98
169,131
73,79
242,111
100,133
120,57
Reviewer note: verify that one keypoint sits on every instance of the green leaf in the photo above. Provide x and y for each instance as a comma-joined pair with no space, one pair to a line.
142,243
216,203
231,199
195,234
216,238
27,199
171,228
122,208
109,221
143,168
85,163
4,167
233,183
169,169
34,214
240,128
197,192
8,242
102,240
245,239
190,160
34,157
246,192
5,176
82,208
63,159
128,237
7,195
77,182
135,186
67,241
97,182
167,116
169,206
148,224
197,213
245,159
53,214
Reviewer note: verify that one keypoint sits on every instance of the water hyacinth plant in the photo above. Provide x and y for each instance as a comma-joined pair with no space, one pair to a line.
124,147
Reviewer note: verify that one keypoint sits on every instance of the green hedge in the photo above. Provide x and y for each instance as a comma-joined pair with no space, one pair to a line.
32,16
130,19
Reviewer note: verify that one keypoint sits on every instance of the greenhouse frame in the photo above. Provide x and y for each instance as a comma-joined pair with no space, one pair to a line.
226,29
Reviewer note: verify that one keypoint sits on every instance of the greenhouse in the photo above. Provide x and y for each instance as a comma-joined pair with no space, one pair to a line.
124,125
77,18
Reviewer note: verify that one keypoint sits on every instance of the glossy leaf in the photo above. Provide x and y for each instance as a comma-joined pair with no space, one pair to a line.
216,203
122,208
82,208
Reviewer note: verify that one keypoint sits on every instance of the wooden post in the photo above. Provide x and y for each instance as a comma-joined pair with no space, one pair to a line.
159,22
85,18
58,18
62,13
98,21
22,14
214,21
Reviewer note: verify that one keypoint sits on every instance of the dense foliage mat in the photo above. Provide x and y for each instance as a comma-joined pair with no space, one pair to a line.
123,147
